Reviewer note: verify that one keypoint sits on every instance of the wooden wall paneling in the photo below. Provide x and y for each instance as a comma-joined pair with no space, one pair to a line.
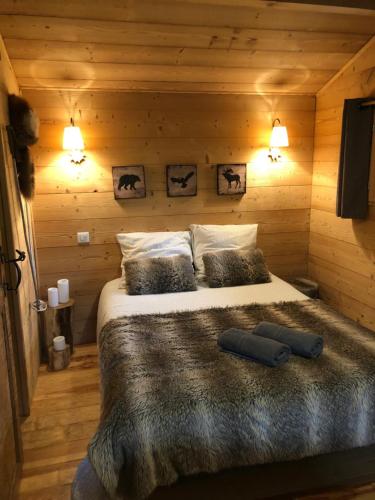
53,179
162,151
342,251
348,305
65,83
52,234
372,169
10,429
171,124
102,205
115,102
25,319
101,72
157,129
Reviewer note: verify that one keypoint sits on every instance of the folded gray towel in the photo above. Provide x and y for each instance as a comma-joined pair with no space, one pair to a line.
308,345
246,345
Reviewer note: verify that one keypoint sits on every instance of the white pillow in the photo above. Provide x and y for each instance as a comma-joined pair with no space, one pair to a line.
211,238
147,245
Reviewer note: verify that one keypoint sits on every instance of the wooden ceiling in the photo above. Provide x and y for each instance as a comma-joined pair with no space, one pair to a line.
253,46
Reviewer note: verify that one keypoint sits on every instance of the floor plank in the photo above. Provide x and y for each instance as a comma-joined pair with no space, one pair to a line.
64,415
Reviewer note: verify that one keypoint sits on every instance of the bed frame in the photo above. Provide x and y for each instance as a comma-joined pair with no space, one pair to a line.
275,480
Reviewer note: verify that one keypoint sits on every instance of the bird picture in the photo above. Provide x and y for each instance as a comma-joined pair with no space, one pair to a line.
181,180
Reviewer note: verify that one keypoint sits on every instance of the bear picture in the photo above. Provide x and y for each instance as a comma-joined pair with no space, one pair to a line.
129,182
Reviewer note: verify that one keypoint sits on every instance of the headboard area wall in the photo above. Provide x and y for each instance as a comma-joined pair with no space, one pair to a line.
342,251
156,130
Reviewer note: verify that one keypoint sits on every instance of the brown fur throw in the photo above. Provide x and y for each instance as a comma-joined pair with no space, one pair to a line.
159,275
24,125
235,267
174,404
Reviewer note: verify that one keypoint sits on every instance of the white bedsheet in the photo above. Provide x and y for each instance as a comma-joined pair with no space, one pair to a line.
115,302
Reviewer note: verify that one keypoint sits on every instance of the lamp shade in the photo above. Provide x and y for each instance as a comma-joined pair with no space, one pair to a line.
279,137
73,140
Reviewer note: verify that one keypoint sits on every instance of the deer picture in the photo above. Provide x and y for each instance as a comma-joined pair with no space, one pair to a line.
231,177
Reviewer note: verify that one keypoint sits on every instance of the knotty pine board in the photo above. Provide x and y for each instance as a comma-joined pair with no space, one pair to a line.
154,130
179,46
342,251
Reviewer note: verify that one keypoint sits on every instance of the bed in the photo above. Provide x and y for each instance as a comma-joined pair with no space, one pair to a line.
114,302
227,416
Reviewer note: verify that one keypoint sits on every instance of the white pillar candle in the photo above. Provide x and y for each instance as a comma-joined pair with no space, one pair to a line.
63,287
59,343
53,297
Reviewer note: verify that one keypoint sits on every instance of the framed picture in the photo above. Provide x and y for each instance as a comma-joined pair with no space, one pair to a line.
129,182
181,180
231,178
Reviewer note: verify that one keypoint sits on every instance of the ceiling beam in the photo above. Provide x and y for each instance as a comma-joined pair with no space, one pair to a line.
348,7
355,4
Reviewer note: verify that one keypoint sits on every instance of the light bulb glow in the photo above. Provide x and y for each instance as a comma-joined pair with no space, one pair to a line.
279,137
73,142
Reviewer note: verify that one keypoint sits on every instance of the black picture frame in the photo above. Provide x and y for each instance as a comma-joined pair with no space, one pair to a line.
129,182
181,179
227,186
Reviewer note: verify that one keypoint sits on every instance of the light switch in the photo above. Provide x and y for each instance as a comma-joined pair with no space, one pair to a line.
83,238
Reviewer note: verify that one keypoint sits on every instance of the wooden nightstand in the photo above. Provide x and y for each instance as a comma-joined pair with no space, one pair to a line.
306,286
58,321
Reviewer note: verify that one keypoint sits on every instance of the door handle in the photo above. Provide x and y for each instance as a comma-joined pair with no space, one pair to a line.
21,257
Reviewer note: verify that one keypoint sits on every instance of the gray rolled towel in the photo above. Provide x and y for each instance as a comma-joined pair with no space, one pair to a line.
246,345
308,345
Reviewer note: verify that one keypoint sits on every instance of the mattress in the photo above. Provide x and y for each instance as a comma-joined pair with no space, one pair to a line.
115,302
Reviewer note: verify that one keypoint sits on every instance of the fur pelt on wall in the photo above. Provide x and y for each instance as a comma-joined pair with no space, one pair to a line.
24,124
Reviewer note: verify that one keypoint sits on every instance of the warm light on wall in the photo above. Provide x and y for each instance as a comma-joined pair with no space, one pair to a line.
73,142
279,139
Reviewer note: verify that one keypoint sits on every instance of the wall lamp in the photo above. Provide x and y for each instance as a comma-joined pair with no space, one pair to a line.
73,142
279,139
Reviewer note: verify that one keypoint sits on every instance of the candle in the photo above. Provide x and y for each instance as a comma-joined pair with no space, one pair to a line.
53,297
59,343
63,287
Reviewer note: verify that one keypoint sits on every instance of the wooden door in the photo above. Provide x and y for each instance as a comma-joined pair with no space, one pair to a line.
10,443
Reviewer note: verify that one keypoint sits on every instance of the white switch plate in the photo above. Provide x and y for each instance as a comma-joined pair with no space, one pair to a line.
83,238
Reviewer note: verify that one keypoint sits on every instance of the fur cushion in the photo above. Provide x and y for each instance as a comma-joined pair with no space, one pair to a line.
159,275
235,267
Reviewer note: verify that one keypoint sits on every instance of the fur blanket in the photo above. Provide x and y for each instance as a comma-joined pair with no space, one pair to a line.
173,404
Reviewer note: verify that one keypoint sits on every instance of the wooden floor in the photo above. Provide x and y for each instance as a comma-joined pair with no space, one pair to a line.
64,416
